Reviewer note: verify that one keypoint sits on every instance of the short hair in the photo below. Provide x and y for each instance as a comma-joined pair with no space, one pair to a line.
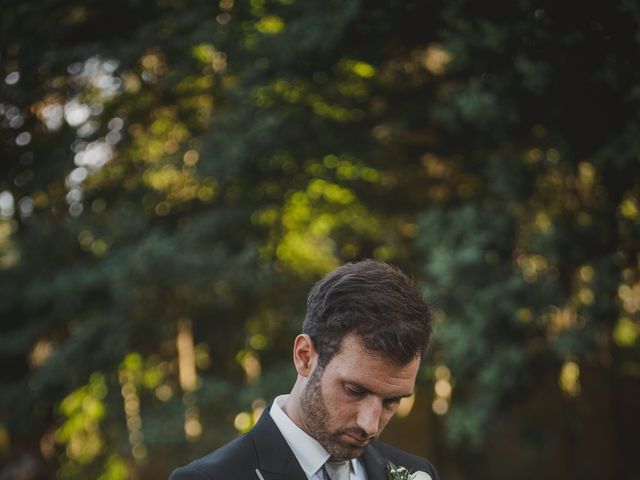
374,300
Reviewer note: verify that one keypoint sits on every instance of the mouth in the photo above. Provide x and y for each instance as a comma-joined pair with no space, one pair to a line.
357,441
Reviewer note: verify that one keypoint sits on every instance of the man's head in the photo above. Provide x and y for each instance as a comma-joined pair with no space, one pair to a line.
374,300
364,335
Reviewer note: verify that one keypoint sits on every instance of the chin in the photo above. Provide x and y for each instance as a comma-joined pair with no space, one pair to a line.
340,456
344,451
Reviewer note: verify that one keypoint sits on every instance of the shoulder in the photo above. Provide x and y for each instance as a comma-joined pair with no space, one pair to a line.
405,459
236,459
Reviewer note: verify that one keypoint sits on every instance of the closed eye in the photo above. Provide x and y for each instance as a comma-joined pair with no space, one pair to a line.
354,391
391,402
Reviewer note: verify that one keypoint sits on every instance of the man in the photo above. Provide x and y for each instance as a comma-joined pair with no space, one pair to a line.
362,341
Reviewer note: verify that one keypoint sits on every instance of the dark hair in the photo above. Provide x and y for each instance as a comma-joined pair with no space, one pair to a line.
374,300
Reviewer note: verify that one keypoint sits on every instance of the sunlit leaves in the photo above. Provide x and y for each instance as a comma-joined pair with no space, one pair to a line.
210,56
270,25
8,253
359,68
301,93
626,332
629,208
569,379
302,231
308,218
115,469
83,411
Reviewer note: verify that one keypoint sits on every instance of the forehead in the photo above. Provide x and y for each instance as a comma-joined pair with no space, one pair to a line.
354,363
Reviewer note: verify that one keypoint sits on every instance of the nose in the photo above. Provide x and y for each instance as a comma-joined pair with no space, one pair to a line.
369,415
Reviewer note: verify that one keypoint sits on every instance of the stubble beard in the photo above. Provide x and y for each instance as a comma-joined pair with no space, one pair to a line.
316,417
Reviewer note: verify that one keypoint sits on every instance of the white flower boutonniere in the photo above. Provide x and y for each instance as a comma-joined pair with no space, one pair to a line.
400,473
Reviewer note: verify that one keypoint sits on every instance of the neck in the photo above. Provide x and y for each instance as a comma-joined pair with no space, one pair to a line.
291,406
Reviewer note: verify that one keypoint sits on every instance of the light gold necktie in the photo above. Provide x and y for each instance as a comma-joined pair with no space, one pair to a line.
338,470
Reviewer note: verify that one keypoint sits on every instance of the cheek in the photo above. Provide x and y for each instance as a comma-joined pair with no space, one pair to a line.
335,395
341,406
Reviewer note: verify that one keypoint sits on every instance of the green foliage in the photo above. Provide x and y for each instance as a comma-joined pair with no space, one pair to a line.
83,410
205,167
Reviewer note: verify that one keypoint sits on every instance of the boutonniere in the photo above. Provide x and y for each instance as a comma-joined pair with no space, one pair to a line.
400,473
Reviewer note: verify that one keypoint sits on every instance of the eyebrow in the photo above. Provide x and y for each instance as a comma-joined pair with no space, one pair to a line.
366,390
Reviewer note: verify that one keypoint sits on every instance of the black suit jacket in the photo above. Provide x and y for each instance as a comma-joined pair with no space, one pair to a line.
264,448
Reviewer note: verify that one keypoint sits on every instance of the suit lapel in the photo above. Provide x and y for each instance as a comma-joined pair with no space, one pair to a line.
276,460
374,464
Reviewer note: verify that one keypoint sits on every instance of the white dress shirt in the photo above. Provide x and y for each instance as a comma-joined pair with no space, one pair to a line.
310,454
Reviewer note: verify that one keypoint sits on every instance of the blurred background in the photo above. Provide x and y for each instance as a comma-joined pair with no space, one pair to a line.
177,174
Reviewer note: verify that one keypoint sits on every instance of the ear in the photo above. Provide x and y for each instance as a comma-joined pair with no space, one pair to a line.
305,355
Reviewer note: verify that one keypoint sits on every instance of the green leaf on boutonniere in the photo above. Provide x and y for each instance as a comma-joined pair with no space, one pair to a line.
397,473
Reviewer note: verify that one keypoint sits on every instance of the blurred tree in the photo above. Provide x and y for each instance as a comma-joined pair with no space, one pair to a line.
177,174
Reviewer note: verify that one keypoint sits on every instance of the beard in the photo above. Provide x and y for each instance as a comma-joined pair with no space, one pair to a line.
317,417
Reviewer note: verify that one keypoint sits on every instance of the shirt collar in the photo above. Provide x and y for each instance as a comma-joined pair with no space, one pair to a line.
308,451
